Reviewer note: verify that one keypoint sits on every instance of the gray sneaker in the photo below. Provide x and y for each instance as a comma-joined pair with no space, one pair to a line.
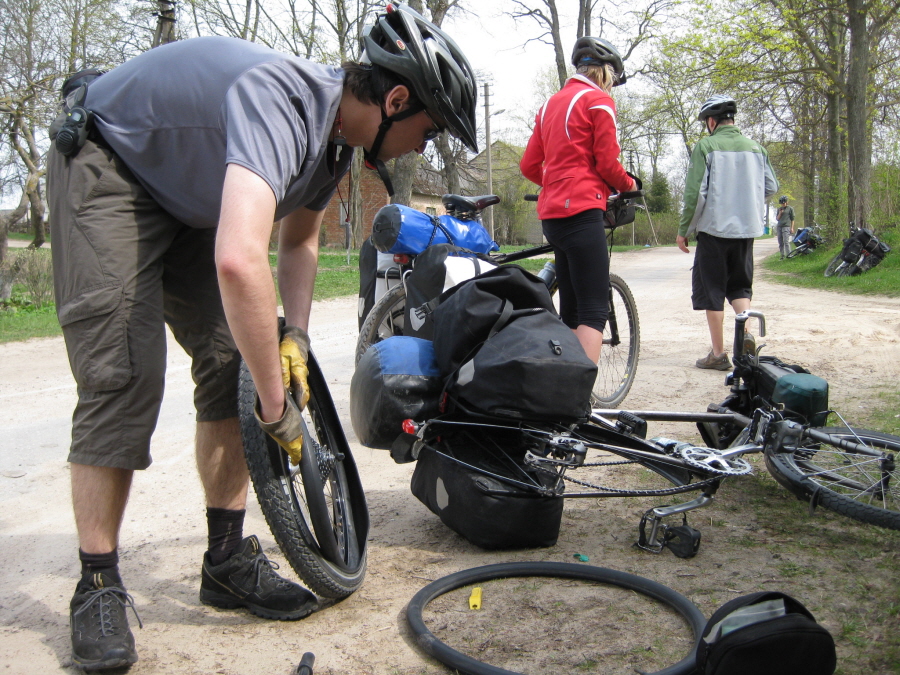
101,638
710,362
248,579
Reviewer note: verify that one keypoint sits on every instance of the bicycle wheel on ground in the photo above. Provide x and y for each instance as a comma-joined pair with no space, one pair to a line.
861,485
833,265
385,320
621,347
797,251
316,510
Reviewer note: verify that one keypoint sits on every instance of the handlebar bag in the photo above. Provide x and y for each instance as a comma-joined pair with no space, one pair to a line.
438,269
492,504
802,394
620,213
396,379
401,229
766,633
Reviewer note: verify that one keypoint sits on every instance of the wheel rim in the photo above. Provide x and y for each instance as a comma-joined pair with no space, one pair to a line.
616,360
869,480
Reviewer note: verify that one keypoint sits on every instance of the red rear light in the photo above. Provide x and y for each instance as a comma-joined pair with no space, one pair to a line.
410,427
401,258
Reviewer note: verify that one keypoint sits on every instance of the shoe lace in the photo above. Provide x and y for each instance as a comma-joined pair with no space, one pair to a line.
106,601
264,571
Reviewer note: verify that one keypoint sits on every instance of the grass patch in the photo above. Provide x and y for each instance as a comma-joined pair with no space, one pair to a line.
25,322
26,236
808,271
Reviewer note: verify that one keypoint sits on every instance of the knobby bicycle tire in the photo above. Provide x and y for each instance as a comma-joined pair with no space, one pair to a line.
317,510
618,363
833,265
427,641
385,320
846,482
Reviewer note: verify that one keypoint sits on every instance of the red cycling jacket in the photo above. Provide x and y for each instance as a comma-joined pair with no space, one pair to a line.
573,153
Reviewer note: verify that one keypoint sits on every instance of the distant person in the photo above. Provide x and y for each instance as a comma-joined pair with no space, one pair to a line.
163,216
784,226
573,154
728,182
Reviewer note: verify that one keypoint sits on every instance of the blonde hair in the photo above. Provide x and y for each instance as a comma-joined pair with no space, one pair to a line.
603,76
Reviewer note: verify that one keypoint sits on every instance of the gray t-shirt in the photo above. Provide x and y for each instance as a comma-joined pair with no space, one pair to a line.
178,114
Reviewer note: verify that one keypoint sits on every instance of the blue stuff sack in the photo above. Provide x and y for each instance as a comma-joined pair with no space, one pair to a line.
401,229
395,380
801,236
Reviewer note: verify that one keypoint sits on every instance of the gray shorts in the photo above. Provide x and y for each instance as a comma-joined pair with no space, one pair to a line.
123,268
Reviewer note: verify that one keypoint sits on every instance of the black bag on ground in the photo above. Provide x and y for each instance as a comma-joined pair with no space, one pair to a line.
395,380
465,314
487,510
438,269
531,368
767,633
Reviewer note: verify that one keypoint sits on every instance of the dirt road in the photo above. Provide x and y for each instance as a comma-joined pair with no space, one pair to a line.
852,341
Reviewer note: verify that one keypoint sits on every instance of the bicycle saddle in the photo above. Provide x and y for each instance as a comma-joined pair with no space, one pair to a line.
460,204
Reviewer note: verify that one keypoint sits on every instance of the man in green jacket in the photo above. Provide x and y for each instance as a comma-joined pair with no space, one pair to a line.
728,182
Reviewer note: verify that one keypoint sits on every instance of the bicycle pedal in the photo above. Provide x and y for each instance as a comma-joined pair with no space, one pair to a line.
683,540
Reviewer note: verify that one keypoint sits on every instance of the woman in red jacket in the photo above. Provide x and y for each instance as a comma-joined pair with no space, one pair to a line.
573,154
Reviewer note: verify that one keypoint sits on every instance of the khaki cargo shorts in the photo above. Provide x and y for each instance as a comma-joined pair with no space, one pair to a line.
123,268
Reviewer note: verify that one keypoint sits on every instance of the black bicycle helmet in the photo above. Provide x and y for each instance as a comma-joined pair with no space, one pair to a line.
717,106
782,199
594,51
407,44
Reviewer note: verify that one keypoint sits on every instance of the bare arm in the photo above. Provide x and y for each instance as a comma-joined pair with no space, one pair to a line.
298,256
245,280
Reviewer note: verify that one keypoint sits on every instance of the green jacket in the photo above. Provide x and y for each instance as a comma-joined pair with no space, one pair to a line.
728,182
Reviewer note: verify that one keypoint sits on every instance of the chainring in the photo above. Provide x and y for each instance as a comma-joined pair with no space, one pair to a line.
710,460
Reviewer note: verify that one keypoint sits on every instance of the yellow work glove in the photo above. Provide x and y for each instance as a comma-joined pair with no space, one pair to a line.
294,350
288,431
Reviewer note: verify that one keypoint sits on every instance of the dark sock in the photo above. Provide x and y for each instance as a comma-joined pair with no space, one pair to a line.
107,563
226,531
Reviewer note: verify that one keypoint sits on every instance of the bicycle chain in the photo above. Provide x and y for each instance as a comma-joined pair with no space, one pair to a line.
637,493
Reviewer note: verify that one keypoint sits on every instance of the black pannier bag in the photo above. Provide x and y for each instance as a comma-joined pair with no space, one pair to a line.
767,633
395,380
794,387
484,499
531,368
506,352
439,268
465,314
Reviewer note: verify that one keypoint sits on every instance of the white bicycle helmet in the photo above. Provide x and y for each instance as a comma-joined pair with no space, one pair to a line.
407,44
594,51
717,106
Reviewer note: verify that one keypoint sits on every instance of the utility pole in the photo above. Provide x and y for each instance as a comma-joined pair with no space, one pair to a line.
487,154
165,23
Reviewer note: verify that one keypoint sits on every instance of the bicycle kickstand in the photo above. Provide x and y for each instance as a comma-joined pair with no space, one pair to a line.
683,540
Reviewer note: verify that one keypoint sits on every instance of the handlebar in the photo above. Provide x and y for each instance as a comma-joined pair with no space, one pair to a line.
739,321
633,194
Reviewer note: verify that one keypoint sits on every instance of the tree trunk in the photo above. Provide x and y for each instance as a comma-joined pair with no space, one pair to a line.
404,174
859,156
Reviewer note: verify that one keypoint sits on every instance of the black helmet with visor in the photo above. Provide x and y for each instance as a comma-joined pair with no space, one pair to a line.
405,43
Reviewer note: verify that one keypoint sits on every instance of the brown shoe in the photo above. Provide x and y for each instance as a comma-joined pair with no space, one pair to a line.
710,362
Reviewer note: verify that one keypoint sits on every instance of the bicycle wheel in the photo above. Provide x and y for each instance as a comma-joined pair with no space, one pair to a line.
621,347
317,510
797,251
860,486
833,265
385,320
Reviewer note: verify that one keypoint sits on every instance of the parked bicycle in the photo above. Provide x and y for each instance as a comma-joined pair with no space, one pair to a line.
621,338
861,252
806,240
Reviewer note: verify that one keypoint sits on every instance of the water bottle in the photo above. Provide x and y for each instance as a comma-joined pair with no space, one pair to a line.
548,274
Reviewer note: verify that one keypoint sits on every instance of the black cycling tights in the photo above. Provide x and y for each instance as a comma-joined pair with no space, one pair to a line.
582,267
